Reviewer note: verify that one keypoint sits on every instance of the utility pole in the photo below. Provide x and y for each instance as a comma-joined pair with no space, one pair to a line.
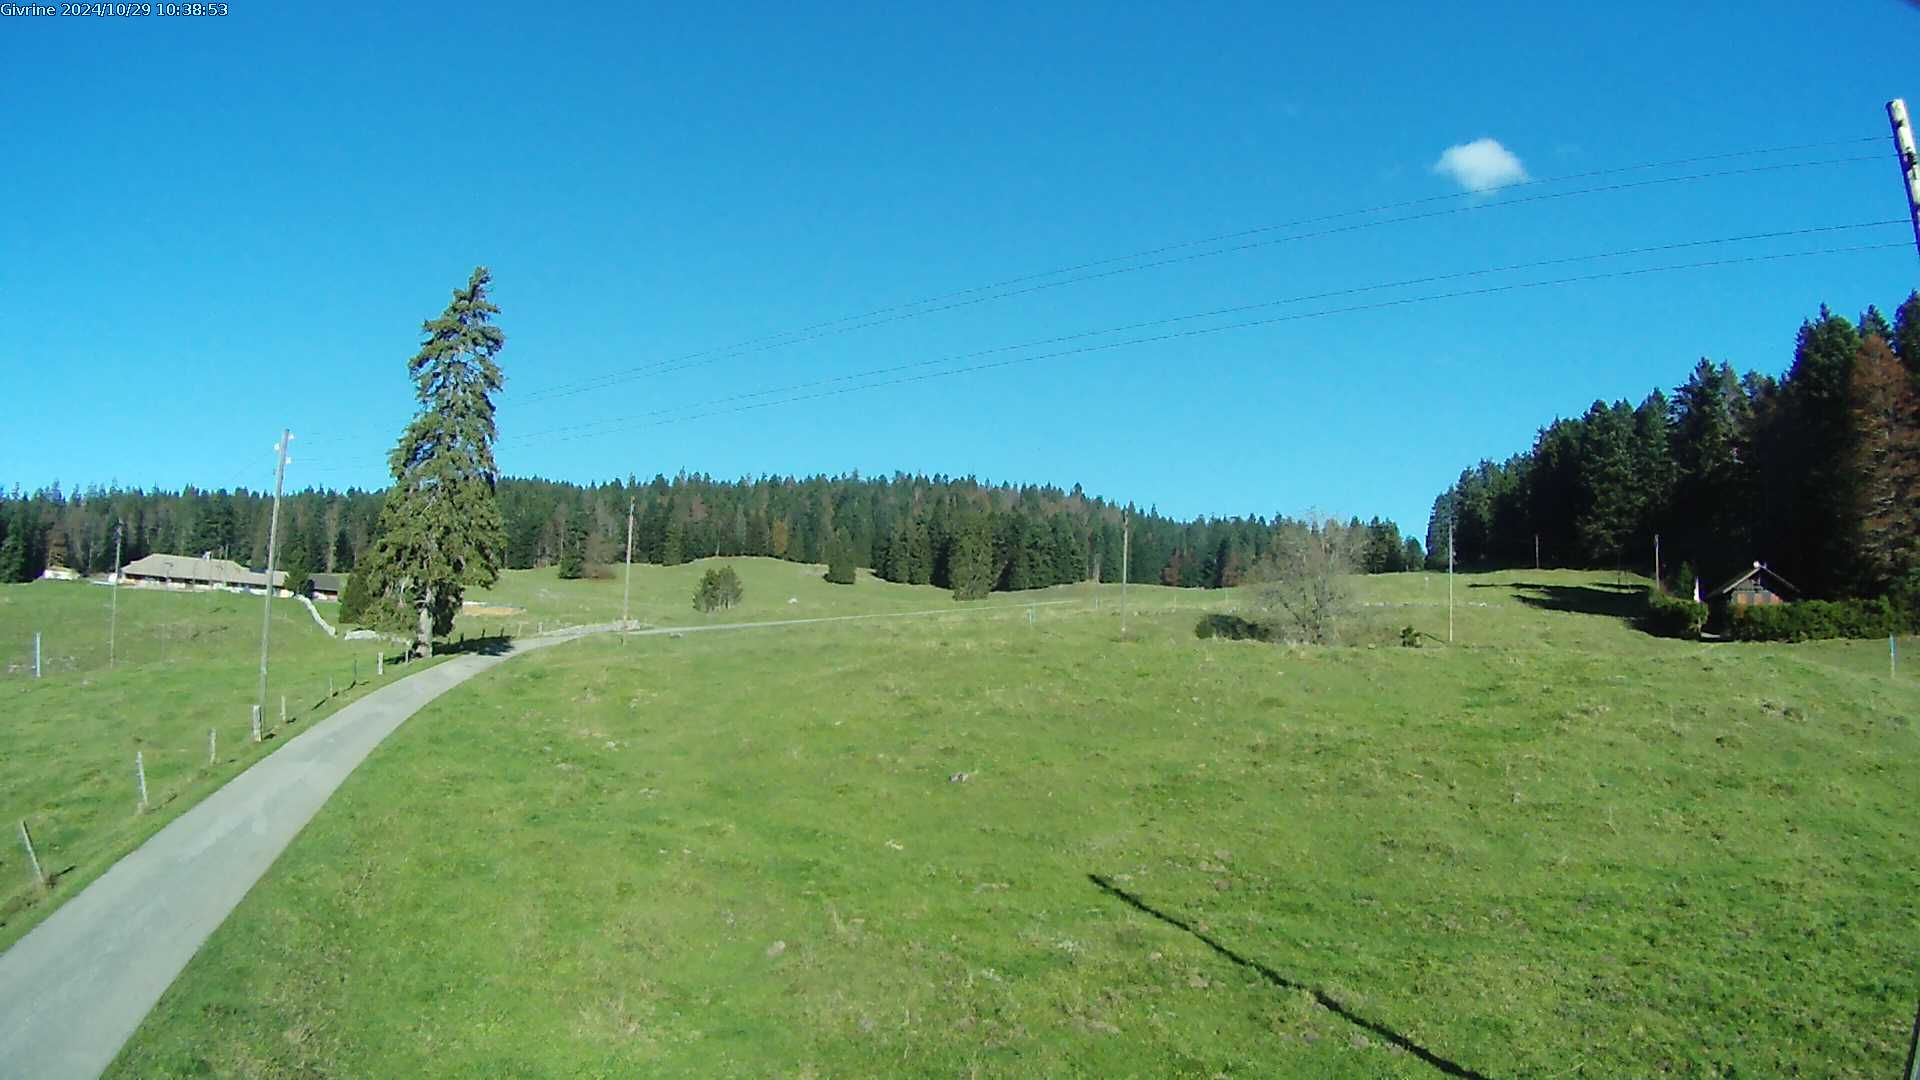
1909,160
273,540
1536,551
1657,587
113,610
1126,554
1449,582
627,593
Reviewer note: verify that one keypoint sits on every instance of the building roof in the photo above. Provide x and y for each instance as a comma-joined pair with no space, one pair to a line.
1762,571
328,582
191,569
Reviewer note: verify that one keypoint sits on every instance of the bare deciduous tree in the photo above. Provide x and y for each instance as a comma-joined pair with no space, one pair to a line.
1305,584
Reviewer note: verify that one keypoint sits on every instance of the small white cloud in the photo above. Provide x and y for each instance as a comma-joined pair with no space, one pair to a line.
1481,165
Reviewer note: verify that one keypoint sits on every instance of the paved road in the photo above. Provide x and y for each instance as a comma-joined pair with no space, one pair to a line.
75,988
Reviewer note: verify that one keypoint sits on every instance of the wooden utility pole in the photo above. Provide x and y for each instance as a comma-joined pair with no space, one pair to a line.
113,610
626,593
1449,582
1909,161
273,539
1126,555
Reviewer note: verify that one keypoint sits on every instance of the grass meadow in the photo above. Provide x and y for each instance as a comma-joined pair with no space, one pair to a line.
987,845
185,664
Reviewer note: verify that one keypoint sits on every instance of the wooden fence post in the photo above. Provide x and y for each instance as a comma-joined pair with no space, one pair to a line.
39,878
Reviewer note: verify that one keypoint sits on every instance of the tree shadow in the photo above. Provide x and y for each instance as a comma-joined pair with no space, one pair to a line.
1327,1002
491,645
1616,601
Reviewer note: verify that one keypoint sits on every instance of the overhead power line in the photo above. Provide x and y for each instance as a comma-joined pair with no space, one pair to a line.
1430,279
1034,282
1198,332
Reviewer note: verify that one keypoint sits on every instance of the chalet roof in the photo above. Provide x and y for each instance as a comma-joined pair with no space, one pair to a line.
190,569
1762,571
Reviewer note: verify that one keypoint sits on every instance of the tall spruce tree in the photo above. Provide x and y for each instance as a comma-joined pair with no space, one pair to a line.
842,555
970,565
440,528
299,570
1906,333
573,545
1887,463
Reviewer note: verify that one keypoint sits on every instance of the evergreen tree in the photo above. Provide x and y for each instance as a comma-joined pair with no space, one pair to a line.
573,546
970,565
214,530
1906,333
841,558
919,554
673,544
342,553
1821,439
354,599
719,588
440,528
299,571
1887,461
1068,552
13,556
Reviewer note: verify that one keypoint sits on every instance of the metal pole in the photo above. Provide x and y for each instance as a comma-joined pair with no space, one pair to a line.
1449,582
113,613
140,770
1909,160
1126,555
36,654
1656,563
627,593
273,539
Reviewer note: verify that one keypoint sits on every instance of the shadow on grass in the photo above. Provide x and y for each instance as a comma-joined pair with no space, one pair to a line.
1277,979
1618,601
491,645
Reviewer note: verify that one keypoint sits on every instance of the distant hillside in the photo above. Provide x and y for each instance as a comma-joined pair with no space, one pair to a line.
907,528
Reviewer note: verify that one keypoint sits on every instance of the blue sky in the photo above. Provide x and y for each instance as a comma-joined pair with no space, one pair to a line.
217,227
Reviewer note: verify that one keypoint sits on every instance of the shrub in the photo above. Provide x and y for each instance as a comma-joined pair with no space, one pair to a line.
1674,616
1812,620
1234,627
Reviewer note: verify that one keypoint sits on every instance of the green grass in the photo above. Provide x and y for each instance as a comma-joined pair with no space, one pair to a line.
186,663
1559,848
663,596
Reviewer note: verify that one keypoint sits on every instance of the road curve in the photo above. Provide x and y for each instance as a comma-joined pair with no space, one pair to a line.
75,987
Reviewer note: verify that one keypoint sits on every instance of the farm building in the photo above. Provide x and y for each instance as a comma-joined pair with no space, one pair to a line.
187,572
328,586
1757,586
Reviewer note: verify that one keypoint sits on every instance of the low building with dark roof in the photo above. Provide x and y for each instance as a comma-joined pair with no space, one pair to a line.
328,586
185,572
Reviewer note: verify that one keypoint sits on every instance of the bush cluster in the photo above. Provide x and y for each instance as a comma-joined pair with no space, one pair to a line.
1234,627
1810,620
1674,616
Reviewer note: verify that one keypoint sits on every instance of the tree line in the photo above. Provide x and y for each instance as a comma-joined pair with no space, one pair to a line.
1815,473
952,532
